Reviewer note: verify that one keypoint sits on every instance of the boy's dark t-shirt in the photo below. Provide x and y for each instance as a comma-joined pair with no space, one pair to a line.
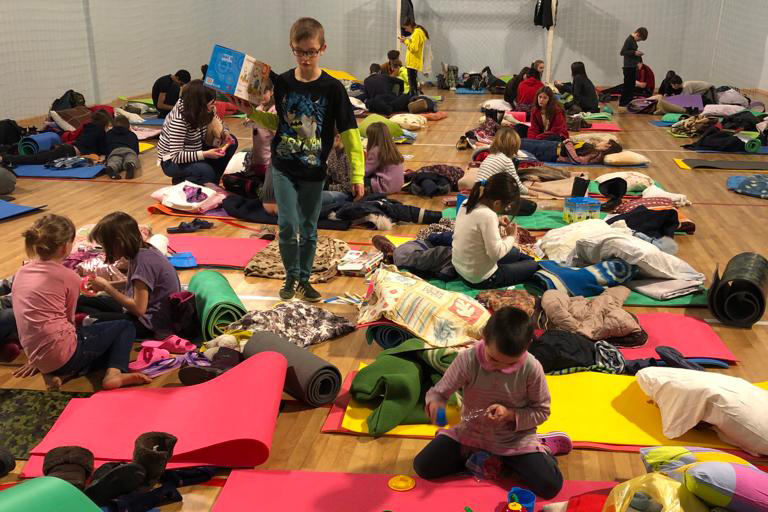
120,137
170,88
309,114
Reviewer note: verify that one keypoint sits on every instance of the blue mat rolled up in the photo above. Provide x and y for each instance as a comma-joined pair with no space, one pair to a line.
37,143
387,336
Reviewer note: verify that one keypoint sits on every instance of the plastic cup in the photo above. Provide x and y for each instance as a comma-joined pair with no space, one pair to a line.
524,497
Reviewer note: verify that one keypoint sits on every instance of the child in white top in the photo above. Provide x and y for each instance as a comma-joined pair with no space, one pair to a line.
482,258
505,146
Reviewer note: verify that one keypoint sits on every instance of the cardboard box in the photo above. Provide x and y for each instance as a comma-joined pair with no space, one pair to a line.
236,73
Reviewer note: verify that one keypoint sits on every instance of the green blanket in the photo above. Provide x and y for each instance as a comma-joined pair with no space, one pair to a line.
598,116
695,300
397,381
146,101
216,301
540,220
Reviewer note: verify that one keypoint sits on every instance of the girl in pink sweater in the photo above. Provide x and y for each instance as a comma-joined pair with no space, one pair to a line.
384,172
44,297
505,398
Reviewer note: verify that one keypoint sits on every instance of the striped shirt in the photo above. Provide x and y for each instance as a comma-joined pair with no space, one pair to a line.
521,388
496,163
178,142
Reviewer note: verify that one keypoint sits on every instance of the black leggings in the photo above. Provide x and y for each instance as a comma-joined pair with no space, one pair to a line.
106,309
628,88
536,471
42,158
413,81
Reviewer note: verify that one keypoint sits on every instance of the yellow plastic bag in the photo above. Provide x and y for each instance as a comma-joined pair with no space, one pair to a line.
672,495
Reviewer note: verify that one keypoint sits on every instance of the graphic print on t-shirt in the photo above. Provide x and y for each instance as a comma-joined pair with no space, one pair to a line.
300,130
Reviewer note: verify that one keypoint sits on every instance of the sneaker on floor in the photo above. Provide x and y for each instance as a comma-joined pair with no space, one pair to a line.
288,290
304,291
130,170
558,443
383,244
112,173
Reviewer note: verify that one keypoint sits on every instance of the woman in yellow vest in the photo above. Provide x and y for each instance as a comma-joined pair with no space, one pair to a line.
414,56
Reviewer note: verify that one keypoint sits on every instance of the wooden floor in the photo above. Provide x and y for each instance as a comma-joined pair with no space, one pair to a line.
727,224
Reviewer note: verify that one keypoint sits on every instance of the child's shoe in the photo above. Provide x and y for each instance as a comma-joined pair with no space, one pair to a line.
558,443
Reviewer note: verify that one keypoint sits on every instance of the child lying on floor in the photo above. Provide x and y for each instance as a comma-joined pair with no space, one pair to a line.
505,398
44,297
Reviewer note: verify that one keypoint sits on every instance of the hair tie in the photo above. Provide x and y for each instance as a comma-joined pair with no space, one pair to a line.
483,183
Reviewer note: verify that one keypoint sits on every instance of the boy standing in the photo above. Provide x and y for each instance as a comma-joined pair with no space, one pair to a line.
631,57
121,146
311,106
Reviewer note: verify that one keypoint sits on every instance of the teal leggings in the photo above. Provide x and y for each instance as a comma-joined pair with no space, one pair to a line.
298,209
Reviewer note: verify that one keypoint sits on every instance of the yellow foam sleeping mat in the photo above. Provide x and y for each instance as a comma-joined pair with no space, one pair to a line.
399,240
340,75
145,146
590,407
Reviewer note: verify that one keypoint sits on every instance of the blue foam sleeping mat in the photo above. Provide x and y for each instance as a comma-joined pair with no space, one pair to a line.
662,124
152,121
8,210
462,90
41,171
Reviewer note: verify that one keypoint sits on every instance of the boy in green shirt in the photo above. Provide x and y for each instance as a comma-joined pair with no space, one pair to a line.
311,107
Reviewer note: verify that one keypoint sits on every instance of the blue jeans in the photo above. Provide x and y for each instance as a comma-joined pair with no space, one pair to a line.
298,210
101,345
514,268
331,196
205,171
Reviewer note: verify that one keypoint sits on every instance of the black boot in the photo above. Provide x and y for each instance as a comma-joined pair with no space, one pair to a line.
114,479
72,464
152,452
7,462
224,359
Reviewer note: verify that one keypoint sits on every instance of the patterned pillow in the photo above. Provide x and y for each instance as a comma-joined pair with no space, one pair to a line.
71,119
439,317
734,487
668,458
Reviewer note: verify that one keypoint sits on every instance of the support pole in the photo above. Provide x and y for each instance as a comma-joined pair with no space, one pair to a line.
398,9
550,43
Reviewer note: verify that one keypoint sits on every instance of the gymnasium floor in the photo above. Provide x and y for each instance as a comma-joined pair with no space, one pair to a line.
726,224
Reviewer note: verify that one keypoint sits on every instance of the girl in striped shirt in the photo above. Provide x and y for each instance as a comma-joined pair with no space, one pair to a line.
504,148
505,398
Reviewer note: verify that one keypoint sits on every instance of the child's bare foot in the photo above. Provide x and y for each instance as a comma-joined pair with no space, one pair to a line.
116,379
52,382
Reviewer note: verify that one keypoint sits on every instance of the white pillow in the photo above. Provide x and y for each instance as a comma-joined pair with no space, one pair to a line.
626,158
652,262
736,408
636,181
409,121
496,104
133,118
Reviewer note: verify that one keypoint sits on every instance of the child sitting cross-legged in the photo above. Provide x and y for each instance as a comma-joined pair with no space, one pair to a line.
44,297
505,398
384,172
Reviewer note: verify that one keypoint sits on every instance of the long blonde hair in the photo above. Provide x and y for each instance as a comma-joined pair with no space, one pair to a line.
47,235
506,141
379,137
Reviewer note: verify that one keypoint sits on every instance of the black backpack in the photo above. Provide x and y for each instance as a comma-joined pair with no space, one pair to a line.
68,100
10,132
243,184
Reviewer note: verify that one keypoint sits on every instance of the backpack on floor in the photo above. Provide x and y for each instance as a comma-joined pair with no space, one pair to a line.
642,106
243,183
10,132
67,100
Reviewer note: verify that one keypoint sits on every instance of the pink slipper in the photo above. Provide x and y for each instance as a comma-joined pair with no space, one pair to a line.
558,443
172,344
147,356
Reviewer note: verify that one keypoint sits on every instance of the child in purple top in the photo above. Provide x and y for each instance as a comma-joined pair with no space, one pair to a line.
151,279
384,172
505,398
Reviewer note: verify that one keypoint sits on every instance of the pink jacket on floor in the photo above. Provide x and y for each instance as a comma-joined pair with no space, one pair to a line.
385,179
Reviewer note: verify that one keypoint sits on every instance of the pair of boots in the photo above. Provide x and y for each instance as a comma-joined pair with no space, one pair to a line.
74,464
224,359
129,168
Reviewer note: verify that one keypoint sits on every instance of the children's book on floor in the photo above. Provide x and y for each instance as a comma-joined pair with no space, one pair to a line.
359,263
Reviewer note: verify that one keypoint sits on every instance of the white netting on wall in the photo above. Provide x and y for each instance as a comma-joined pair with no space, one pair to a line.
44,52
684,36
107,48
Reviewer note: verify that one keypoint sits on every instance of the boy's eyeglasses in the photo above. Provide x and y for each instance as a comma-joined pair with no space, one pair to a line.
308,53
